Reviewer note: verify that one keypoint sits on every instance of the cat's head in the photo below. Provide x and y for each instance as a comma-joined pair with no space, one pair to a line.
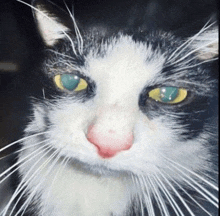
137,102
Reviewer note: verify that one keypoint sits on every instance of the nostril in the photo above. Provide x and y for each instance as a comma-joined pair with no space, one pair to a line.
108,142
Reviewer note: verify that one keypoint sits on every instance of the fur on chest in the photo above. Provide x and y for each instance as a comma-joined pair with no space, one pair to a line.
61,189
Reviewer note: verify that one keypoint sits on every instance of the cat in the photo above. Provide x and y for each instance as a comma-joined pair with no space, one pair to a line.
121,122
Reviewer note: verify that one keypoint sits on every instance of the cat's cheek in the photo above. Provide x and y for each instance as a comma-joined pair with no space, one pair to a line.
71,143
38,121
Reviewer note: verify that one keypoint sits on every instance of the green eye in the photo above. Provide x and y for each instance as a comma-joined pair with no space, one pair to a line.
168,94
70,82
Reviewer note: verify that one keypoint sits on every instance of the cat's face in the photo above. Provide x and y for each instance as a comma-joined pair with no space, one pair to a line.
126,103
115,123
120,118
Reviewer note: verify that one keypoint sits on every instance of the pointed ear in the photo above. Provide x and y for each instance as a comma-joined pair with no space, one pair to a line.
206,43
50,26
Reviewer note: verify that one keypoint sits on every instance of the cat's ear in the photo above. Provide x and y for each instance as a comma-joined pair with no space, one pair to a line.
50,21
206,43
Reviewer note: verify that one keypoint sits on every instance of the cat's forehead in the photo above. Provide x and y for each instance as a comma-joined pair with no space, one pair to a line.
125,62
116,60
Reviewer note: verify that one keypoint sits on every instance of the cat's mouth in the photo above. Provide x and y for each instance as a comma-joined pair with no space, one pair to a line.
98,169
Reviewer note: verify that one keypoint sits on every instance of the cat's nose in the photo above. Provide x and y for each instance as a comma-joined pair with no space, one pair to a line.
109,142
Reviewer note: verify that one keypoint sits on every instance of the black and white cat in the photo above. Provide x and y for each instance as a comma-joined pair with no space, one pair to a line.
123,126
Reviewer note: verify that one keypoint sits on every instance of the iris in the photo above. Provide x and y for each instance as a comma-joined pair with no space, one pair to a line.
168,94
70,81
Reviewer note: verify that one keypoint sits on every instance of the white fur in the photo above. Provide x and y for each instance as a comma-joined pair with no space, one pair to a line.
50,29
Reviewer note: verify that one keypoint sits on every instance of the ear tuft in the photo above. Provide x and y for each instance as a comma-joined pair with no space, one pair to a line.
207,44
50,27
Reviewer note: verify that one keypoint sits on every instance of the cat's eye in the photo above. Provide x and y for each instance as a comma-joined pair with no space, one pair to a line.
70,82
168,94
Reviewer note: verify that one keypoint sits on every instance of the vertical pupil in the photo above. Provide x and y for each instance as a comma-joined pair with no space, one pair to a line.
168,93
70,81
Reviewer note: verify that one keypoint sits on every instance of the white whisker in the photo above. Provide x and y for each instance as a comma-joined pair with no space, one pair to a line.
43,93
20,150
193,51
62,165
187,61
197,203
8,155
33,193
136,181
61,54
67,63
201,187
21,140
160,199
147,197
78,34
177,194
70,65
137,195
193,173
22,185
187,43
195,65
21,195
20,162
170,198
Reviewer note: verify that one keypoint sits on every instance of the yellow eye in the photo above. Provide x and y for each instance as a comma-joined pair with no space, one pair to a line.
70,82
168,94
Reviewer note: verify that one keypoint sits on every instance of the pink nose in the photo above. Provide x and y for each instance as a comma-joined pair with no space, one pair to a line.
109,143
